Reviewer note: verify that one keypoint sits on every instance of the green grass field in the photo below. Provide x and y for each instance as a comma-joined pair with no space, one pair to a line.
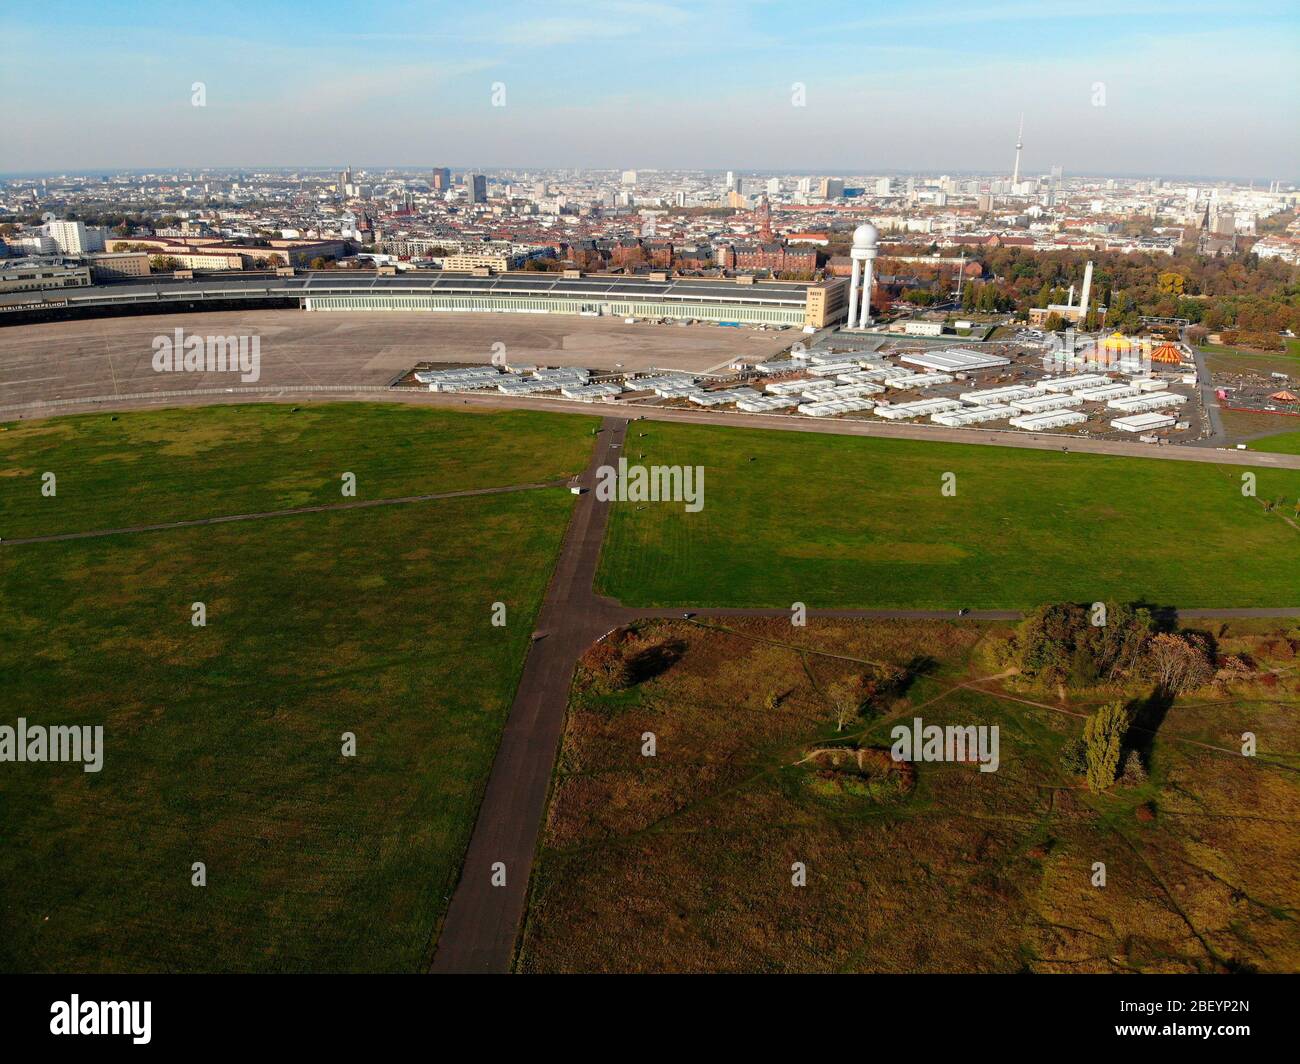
173,465
1282,443
857,522
223,743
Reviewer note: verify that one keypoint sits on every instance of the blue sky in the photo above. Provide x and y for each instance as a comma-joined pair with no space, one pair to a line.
1187,87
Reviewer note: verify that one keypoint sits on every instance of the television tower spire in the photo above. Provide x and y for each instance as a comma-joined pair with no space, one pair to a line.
1015,174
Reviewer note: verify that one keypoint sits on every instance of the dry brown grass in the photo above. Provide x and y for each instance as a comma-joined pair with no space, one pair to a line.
682,862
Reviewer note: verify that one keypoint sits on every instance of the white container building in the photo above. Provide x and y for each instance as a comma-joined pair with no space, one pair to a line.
1105,392
719,398
919,408
1073,382
589,393
1150,384
974,415
1147,422
997,396
1046,402
831,369
765,404
1046,420
919,380
954,360
1138,404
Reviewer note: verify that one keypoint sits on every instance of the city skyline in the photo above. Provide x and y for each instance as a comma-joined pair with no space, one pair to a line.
1144,89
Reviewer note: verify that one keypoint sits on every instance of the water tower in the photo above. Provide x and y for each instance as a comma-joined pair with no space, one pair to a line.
866,246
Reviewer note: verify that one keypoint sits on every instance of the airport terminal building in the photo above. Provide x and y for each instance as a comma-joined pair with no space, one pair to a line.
743,301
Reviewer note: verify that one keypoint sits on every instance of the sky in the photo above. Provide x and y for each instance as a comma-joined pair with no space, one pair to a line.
793,86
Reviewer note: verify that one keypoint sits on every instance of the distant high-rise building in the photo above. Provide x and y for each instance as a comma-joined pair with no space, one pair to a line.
731,180
75,238
475,188
831,187
629,177
773,186
345,178
883,186
440,179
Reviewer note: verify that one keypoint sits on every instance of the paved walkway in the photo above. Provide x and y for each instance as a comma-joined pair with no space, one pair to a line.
483,920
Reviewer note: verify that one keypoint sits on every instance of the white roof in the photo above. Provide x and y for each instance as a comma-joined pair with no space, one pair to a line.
954,359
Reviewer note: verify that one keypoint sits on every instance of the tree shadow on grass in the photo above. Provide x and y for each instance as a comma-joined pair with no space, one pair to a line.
655,660
1147,714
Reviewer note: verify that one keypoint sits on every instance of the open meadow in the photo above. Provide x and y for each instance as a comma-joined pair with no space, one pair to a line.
860,522
224,743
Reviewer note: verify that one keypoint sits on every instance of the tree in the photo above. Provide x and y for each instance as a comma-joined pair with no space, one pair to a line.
844,696
1103,736
1171,284
1179,663
1060,641
1054,322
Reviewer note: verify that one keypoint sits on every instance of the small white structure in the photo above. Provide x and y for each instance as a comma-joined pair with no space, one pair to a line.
1150,384
923,328
1147,422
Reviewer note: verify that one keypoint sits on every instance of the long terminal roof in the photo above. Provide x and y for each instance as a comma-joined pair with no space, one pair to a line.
434,283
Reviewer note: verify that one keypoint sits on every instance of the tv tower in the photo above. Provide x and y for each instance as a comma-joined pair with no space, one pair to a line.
1015,174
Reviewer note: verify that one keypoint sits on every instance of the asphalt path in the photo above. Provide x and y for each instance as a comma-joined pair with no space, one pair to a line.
485,914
